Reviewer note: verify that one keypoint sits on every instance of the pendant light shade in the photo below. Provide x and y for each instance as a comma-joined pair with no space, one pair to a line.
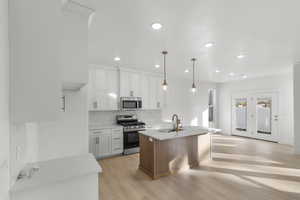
193,85
165,84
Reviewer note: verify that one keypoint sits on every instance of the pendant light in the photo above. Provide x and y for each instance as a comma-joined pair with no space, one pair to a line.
193,85
165,84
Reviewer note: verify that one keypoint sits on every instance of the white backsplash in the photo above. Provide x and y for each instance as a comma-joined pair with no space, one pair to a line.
150,117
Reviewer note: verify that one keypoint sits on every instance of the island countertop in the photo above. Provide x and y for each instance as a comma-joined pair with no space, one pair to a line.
162,134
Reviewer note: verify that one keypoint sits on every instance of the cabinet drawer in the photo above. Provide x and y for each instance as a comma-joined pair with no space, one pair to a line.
117,144
117,131
117,135
101,131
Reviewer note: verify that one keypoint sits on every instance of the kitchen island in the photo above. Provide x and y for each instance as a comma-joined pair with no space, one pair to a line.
163,152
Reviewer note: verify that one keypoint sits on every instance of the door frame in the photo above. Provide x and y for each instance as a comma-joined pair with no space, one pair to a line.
254,93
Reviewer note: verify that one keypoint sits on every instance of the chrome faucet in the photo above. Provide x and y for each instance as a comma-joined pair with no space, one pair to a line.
175,123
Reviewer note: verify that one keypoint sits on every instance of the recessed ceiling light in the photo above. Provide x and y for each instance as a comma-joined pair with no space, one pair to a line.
117,59
244,76
241,56
231,74
157,66
209,44
218,71
156,26
186,71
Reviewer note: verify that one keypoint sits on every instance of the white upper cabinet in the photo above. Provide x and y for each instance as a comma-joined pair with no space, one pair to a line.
156,99
129,84
103,88
107,85
35,36
142,84
152,92
74,49
144,90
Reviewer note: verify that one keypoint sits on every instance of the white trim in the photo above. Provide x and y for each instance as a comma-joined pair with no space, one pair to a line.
124,69
247,94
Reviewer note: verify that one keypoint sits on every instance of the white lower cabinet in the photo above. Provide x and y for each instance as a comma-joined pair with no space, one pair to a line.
106,142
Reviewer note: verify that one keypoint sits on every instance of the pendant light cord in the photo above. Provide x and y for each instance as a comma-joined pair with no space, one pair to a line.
194,71
193,60
165,73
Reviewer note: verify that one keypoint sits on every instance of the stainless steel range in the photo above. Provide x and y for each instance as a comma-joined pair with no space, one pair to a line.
131,127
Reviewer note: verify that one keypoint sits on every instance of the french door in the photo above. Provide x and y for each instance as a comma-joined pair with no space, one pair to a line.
255,115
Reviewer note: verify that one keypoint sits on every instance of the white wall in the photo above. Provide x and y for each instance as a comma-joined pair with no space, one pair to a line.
4,101
69,134
193,108
23,147
283,84
34,59
74,48
66,134
296,83
34,75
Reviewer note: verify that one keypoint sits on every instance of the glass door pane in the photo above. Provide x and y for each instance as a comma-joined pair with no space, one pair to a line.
241,114
264,115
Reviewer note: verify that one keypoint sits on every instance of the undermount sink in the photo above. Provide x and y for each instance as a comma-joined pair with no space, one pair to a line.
169,130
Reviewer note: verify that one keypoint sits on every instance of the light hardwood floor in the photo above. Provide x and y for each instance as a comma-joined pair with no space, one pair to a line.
241,169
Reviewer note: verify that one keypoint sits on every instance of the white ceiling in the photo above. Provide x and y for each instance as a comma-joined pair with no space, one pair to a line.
267,31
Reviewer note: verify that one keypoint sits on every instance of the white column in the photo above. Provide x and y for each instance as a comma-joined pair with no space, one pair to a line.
296,74
4,101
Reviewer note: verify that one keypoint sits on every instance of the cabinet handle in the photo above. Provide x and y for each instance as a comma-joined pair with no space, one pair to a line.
63,103
97,132
117,138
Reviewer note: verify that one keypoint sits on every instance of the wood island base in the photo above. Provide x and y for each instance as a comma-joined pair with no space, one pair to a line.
164,157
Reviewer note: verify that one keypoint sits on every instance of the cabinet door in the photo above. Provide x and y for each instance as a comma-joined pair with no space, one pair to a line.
112,89
129,84
100,87
134,84
159,93
152,92
144,90
103,89
94,146
124,84
105,144
117,141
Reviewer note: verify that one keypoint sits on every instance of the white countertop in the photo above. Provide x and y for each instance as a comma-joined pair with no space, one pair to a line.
187,131
58,170
104,126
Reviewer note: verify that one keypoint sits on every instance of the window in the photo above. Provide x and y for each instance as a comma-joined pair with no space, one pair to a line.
211,106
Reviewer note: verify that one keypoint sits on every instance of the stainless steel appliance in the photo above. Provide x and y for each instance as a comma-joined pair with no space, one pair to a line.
131,127
131,103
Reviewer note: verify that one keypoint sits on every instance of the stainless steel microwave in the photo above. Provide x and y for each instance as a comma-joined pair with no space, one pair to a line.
131,103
